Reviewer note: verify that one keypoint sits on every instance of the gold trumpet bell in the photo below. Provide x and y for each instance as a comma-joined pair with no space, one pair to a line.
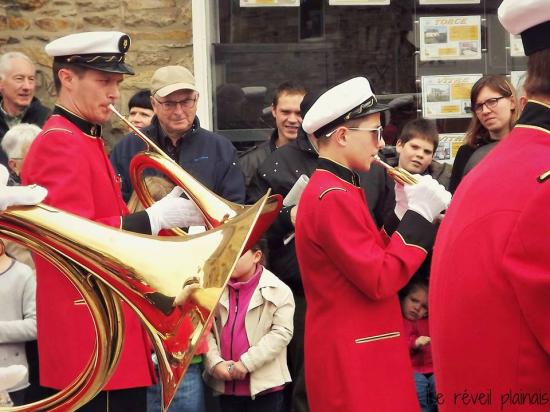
149,273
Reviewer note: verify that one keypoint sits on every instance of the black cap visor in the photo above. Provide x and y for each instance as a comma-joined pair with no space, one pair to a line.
111,63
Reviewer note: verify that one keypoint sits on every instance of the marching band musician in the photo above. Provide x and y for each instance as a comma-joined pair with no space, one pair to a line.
490,288
351,271
68,158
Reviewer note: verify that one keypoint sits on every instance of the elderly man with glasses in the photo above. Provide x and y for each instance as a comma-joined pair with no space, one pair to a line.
207,156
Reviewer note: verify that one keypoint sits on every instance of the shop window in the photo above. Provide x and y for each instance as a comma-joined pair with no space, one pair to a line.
320,45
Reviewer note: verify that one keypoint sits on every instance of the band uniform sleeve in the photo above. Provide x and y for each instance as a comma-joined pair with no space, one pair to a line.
526,264
138,222
378,270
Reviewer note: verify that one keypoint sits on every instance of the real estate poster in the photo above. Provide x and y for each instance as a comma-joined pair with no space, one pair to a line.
450,38
358,2
270,3
447,96
449,1
516,46
448,146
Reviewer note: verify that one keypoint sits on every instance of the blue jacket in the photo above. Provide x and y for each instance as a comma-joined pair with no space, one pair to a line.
208,157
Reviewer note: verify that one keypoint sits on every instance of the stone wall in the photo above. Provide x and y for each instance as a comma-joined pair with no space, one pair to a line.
161,33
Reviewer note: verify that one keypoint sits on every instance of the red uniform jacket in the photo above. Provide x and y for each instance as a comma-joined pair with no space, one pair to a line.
356,358
74,168
490,287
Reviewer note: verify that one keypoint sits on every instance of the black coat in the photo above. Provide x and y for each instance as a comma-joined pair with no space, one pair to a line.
252,159
279,172
36,114
467,157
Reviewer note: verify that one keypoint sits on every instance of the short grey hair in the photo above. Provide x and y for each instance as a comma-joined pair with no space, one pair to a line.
5,61
18,139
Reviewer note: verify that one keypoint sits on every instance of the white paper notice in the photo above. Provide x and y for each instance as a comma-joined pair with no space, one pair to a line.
516,46
447,96
269,3
450,38
448,146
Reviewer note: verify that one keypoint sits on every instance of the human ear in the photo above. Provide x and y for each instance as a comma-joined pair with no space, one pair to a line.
257,257
341,136
66,77
399,146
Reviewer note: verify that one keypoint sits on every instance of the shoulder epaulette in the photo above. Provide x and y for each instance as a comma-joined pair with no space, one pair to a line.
56,129
330,189
544,177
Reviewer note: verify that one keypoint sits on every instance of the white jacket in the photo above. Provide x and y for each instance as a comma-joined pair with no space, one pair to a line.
269,325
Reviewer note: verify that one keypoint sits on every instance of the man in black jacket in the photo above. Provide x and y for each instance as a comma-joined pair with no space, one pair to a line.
286,112
17,103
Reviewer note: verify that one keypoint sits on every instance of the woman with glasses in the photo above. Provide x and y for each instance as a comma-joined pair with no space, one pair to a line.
494,112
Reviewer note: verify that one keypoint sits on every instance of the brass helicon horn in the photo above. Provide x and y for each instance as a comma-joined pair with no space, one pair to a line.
147,272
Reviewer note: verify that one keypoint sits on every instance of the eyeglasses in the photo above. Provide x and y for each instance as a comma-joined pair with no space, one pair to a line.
170,105
489,103
378,131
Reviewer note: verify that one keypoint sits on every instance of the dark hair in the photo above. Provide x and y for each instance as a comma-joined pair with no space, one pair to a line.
287,87
418,281
57,66
498,84
420,128
538,79
142,99
261,245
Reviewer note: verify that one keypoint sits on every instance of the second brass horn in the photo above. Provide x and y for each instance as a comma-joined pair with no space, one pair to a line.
147,273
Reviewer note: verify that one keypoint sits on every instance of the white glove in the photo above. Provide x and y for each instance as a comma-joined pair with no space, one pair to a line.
173,211
427,197
18,195
401,204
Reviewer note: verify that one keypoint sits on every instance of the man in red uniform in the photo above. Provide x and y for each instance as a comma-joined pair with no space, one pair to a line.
355,356
68,158
490,290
